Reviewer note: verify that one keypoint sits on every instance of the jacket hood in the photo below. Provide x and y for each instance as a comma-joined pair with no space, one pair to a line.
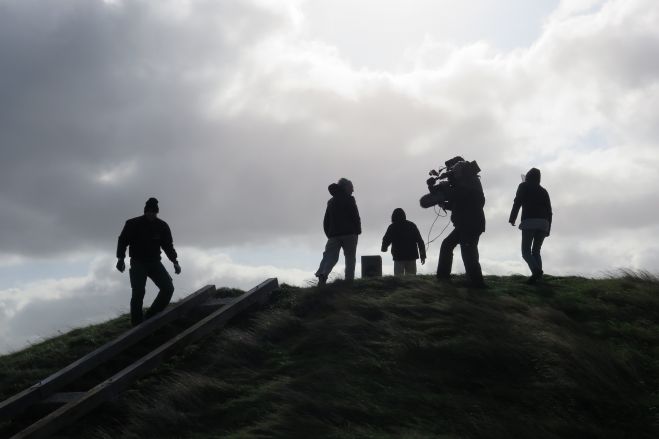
533,176
334,189
398,215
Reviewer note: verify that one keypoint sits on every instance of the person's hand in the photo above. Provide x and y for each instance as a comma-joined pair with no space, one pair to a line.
121,265
423,261
177,268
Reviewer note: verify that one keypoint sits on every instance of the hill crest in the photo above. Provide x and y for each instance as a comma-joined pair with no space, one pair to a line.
401,357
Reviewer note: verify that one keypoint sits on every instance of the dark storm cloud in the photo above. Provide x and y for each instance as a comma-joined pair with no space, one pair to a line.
217,109
89,88
103,106
237,123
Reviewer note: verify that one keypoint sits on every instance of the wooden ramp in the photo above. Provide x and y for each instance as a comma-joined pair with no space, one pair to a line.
77,404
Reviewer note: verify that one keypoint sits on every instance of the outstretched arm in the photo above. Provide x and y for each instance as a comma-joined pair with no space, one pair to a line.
551,214
517,203
326,221
386,240
122,244
167,245
420,244
356,217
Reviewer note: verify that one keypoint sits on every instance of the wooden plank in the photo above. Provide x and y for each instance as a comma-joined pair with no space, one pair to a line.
53,402
213,305
41,390
70,412
62,398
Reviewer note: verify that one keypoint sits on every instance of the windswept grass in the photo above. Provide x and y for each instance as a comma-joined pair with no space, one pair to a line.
22,369
411,358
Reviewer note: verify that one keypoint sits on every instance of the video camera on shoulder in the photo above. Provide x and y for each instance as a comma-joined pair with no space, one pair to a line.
457,171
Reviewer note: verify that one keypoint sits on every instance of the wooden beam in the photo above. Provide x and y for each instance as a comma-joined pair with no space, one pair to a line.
212,305
67,414
63,398
53,402
41,390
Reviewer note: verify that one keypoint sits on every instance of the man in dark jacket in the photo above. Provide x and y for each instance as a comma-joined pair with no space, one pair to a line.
536,220
146,235
406,243
342,226
466,201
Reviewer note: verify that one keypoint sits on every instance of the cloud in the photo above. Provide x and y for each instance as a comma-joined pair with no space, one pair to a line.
37,310
102,106
236,117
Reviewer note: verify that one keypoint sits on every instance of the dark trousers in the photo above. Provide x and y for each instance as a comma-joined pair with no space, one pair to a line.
331,255
531,245
154,270
468,247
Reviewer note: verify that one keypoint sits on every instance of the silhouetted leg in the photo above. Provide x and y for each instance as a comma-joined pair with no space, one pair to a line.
330,257
399,268
410,267
470,257
538,239
137,275
349,244
527,241
446,254
163,281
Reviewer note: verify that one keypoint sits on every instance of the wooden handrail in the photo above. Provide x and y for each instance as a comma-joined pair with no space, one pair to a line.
46,387
73,410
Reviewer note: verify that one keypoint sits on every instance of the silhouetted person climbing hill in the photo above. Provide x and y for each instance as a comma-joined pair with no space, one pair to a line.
406,243
536,220
342,226
146,235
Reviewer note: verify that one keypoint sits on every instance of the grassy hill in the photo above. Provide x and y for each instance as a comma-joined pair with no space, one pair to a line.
397,358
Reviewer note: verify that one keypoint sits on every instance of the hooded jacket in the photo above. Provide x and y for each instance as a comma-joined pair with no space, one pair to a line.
532,198
466,203
404,237
341,215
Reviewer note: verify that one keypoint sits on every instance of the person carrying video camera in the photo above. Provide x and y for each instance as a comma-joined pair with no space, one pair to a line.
464,197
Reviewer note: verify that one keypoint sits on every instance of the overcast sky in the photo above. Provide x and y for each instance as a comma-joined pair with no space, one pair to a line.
237,114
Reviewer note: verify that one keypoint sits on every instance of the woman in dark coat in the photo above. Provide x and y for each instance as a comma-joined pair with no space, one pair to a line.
536,220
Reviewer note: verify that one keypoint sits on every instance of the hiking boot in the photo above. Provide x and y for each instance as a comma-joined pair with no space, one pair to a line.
322,279
535,277
444,277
